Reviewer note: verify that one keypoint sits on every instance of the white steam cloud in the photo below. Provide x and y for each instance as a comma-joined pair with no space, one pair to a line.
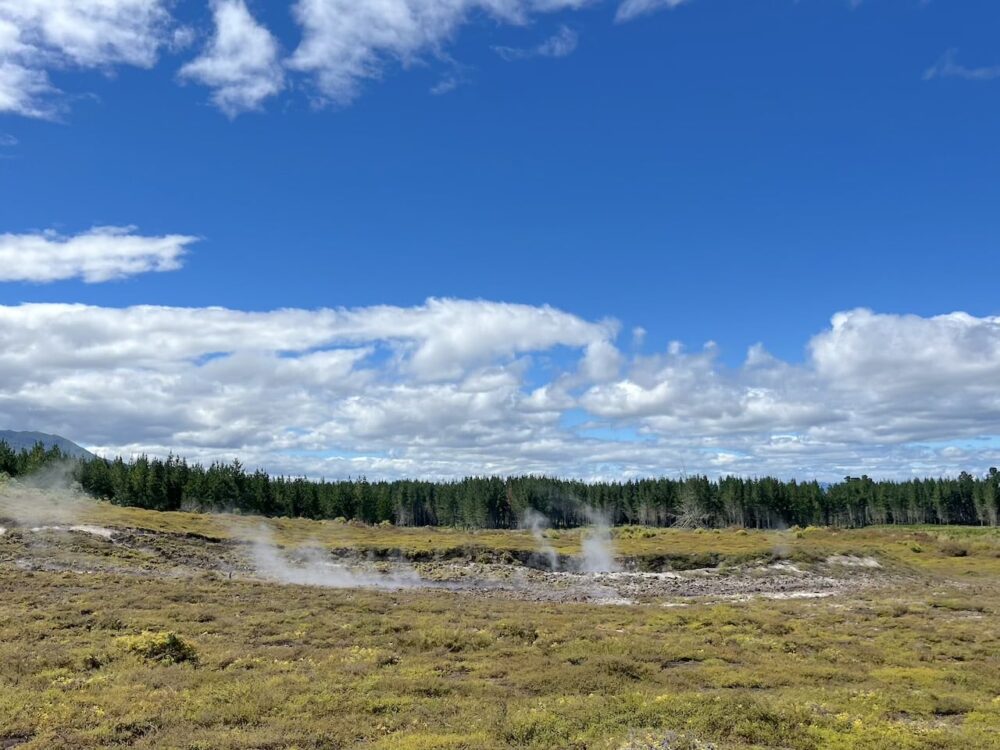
597,546
47,500
313,566
536,522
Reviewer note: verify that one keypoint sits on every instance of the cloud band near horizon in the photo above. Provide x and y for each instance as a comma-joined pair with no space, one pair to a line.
469,387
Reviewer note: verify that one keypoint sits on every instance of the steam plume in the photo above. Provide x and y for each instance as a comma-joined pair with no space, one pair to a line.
46,498
315,568
536,522
597,545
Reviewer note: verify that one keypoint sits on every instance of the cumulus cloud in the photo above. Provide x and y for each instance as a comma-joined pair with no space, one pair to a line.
560,44
441,339
870,379
241,62
100,254
456,387
601,361
37,36
444,375
892,353
343,43
916,378
949,67
630,9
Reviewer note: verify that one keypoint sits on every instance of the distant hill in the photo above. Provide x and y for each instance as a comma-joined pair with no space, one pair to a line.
19,440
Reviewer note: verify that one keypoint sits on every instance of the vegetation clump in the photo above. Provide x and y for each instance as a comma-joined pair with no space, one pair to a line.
165,647
950,549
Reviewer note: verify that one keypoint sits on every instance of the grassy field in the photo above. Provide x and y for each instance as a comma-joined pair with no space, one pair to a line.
156,658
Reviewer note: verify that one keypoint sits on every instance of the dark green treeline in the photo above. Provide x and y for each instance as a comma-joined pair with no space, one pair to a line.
493,502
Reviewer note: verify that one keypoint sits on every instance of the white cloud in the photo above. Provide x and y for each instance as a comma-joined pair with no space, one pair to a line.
346,42
898,352
630,9
446,85
871,379
241,62
560,44
455,387
601,361
23,90
447,374
949,67
100,254
441,339
37,36
343,43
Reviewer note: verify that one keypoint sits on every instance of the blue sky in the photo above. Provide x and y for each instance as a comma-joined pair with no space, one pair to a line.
723,170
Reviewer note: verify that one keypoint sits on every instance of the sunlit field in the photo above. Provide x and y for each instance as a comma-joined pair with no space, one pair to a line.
158,630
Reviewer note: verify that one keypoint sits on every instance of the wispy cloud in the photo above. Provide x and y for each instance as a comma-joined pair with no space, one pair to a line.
560,44
100,254
454,76
949,67
348,42
446,84
634,8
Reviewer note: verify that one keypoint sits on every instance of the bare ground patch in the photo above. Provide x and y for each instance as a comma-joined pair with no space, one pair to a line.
88,549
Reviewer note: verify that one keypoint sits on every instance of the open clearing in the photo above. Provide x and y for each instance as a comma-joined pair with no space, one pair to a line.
129,628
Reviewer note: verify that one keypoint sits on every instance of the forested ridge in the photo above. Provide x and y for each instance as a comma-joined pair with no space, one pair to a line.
496,502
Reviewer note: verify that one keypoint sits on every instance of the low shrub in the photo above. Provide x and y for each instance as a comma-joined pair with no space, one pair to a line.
950,549
168,648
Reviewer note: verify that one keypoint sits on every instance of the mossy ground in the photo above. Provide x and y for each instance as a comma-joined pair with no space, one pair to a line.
914,664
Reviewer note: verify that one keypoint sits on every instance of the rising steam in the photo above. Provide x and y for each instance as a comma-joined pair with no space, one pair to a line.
597,546
46,499
536,523
313,566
